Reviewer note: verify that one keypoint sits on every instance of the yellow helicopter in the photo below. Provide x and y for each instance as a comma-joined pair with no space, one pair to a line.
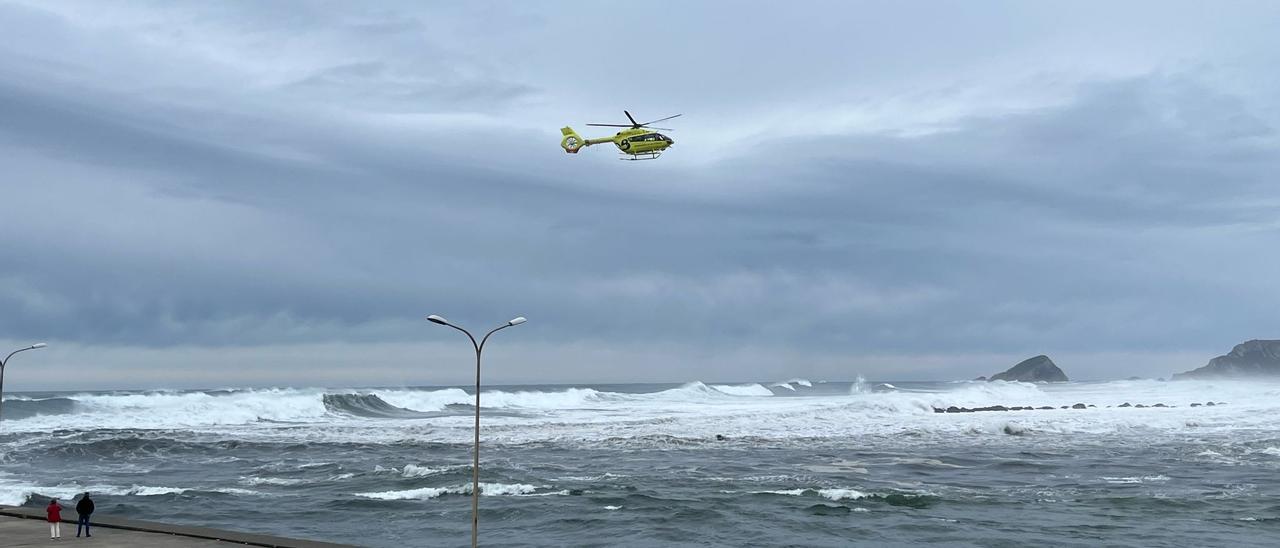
637,142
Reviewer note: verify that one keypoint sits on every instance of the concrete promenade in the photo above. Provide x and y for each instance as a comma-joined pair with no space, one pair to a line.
27,527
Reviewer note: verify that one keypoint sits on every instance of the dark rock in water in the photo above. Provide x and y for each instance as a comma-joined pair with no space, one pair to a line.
1037,369
1014,430
939,410
1159,405
1078,406
1140,406
1253,358
982,378
1092,405
1065,407
954,409
1195,405
1046,407
1126,404
721,437
1222,403
1210,404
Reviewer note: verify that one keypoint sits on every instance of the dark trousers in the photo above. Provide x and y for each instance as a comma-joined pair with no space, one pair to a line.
83,522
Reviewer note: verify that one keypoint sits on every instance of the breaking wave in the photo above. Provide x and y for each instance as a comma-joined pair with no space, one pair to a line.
17,493
367,405
234,407
912,500
743,390
25,408
486,489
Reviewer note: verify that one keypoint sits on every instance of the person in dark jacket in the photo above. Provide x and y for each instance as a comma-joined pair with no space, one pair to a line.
55,519
85,509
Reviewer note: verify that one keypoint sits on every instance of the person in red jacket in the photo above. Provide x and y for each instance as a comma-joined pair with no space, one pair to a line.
55,519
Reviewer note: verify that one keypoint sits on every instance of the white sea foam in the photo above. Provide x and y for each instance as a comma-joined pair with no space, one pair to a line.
791,492
272,481
604,476
179,409
144,491
486,489
1134,479
859,386
693,412
791,384
16,493
236,491
565,399
829,493
694,391
842,494
425,400
415,471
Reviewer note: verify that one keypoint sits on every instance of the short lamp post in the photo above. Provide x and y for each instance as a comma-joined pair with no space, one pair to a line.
475,465
6,362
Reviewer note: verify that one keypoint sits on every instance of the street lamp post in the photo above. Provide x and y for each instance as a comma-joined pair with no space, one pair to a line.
475,465
6,361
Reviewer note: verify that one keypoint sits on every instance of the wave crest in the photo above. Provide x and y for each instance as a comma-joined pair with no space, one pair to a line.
425,493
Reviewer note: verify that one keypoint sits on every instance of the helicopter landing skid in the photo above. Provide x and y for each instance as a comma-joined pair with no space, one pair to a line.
641,156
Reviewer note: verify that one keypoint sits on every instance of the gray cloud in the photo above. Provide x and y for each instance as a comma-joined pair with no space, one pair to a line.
244,176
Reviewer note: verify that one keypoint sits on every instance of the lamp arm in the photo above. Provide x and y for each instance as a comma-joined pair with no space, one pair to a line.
468,334
480,348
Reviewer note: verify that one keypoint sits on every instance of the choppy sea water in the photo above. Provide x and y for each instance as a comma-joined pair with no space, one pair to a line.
793,463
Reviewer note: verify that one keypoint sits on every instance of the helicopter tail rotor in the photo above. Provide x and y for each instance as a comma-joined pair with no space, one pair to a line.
571,141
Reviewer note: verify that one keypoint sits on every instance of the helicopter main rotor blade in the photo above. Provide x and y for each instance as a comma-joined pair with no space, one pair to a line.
610,125
634,123
661,120
660,128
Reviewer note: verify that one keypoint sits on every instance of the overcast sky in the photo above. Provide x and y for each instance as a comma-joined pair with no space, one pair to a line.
277,193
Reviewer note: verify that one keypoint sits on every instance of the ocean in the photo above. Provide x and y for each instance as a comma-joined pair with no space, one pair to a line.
780,463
